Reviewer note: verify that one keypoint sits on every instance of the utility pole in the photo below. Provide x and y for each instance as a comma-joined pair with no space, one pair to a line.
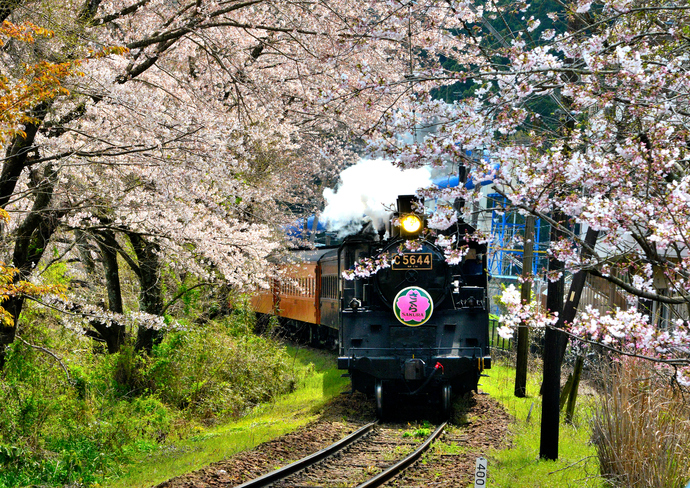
554,338
525,298
554,348
551,384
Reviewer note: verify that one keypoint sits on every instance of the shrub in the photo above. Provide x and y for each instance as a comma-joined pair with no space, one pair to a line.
214,370
641,428
55,431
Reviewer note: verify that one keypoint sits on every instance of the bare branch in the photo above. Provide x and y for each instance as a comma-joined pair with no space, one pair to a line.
52,354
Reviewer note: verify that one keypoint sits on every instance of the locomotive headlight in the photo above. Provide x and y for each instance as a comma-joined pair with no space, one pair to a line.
411,223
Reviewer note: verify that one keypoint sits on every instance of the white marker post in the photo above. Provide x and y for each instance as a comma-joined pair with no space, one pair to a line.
480,473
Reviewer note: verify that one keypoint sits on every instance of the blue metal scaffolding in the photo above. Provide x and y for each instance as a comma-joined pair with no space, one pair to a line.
506,248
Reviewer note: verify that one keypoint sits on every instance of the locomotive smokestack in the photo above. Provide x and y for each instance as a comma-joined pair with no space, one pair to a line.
459,203
405,204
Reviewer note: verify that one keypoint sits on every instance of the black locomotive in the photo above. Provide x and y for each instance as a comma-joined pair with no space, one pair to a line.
417,329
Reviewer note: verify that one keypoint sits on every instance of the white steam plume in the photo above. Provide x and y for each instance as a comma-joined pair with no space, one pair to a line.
369,188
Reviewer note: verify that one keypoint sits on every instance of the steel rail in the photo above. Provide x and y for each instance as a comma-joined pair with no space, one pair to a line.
305,462
403,464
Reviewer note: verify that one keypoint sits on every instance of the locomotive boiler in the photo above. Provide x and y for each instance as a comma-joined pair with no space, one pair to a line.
415,330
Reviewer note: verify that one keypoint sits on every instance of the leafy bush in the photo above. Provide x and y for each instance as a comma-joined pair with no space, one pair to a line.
641,428
215,370
76,425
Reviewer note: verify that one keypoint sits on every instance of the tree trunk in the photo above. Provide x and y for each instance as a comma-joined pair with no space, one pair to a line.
32,237
113,334
7,331
85,248
576,286
17,154
16,159
150,298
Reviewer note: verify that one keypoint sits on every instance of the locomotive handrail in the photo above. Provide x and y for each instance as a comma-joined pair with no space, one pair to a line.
417,350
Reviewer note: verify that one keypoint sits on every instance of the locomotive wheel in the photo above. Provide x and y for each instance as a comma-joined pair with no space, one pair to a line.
378,395
446,401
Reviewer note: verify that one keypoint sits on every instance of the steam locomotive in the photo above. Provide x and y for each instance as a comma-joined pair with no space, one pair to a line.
415,330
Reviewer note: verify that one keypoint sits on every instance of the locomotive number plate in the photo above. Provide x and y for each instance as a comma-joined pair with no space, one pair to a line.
412,261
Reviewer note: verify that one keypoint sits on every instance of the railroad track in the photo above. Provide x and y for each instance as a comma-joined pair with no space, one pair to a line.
366,458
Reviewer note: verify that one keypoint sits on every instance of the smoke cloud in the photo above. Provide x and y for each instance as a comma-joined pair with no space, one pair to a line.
369,188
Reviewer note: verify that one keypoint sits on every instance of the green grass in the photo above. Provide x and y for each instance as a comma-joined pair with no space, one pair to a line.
318,382
519,466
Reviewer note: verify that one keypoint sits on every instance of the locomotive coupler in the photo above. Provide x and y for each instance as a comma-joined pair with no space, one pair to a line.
414,369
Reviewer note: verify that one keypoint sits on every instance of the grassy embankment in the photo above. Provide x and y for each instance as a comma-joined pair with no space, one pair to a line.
72,415
318,381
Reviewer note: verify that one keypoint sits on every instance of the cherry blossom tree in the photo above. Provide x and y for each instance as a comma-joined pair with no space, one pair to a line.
25,91
187,145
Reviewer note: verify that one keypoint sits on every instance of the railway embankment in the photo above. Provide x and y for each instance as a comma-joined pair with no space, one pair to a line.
316,381
74,415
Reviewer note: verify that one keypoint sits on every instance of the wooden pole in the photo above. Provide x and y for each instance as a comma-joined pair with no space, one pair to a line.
525,297
554,339
565,391
551,384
